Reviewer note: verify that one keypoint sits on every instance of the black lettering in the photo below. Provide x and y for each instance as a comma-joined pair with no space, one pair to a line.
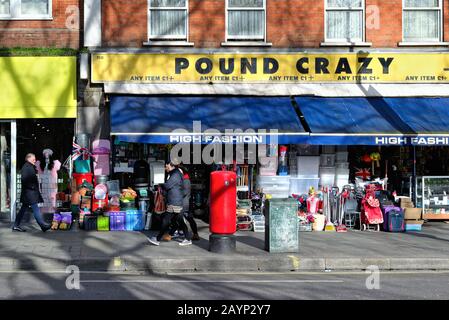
251,66
223,68
199,66
180,64
343,66
300,65
321,66
365,64
386,64
270,65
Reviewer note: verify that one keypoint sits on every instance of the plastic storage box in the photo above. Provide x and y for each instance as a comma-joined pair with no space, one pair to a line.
342,156
277,186
117,220
301,186
134,220
268,166
328,149
327,160
308,167
308,150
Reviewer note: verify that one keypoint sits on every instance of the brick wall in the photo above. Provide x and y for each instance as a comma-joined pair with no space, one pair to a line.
44,33
290,23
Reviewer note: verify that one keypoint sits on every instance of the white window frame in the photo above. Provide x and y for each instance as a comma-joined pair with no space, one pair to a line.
246,38
440,24
152,37
16,12
362,9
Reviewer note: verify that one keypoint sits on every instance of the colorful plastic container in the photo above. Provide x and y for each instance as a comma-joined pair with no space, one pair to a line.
82,166
103,223
117,220
134,220
81,177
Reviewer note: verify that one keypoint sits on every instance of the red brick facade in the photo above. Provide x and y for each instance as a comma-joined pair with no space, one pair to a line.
45,33
290,23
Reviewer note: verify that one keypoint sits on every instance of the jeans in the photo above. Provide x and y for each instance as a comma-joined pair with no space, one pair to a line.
36,213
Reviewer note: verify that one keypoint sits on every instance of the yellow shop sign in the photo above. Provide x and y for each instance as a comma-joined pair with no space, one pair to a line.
270,68
38,87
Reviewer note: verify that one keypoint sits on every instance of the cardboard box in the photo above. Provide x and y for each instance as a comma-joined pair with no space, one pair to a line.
413,222
412,213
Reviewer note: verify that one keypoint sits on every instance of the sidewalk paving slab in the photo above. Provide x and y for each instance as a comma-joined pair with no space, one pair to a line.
131,251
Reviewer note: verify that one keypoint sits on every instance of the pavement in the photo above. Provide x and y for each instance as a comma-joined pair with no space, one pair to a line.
130,251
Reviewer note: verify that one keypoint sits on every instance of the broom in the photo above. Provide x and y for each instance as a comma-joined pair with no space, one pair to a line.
329,225
341,226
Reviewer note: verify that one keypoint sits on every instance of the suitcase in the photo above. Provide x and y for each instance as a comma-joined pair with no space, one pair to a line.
103,223
393,219
90,223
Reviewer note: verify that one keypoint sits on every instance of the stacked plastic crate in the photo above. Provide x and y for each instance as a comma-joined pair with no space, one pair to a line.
327,166
341,167
307,173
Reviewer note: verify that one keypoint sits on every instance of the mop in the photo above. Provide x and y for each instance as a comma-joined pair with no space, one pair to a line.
329,225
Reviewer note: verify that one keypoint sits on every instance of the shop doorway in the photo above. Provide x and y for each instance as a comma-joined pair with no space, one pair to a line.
7,168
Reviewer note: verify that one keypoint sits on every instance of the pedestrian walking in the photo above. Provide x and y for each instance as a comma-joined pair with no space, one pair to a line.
175,196
186,212
30,194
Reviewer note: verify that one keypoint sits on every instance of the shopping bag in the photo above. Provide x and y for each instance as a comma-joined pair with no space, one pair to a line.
159,202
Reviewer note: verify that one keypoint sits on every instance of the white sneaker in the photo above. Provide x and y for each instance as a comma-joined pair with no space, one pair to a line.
175,235
185,243
154,241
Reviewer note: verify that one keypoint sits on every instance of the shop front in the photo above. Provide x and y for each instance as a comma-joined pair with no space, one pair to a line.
262,116
37,112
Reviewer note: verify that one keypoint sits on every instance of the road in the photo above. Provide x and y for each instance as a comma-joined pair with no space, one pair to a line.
289,286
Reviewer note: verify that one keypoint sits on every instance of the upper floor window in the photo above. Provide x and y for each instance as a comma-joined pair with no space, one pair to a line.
167,19
246,19
422,20
345,20
25,9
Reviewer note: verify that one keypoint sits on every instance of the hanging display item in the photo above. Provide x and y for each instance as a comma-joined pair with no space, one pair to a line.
364,173
48,176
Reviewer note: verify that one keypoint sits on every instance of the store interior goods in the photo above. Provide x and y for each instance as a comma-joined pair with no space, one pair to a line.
336,188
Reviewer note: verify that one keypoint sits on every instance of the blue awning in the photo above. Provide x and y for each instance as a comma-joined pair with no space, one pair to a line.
376,121
164,119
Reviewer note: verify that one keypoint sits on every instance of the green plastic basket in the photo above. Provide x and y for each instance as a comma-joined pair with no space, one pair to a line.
103,223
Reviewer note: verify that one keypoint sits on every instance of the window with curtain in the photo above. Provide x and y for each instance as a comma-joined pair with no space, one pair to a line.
168,19
345,20
422,20
26,9
246,19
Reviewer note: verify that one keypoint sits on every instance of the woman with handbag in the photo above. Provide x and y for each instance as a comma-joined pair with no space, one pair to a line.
175,196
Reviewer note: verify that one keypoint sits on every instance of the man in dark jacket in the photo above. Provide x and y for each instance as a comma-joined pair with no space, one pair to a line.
30,195
175,196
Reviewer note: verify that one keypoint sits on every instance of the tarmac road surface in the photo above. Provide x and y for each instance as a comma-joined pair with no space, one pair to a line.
242,286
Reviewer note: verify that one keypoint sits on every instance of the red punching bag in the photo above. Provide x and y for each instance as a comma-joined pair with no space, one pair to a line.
223,198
